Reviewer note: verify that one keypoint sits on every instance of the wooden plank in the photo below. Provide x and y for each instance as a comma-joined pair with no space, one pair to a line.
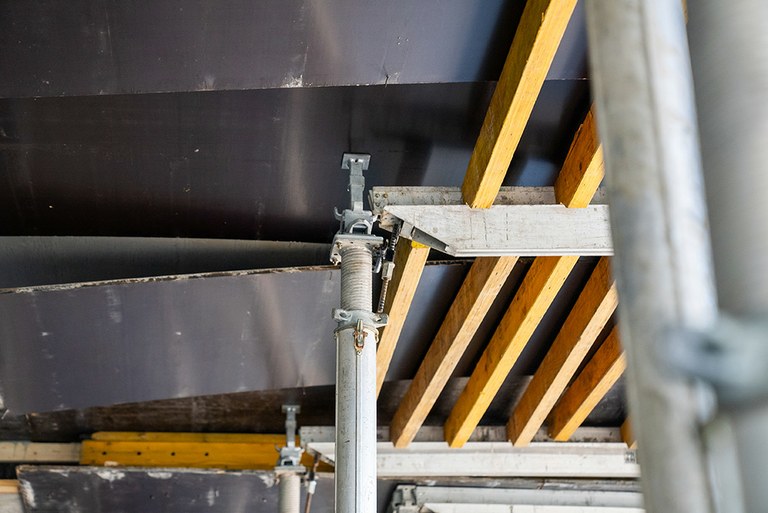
536,293
536,40
144,436
409,259
583,169
233,456
19,452
585,322
187,450
477,293
530,303
594,381
628,435
9,486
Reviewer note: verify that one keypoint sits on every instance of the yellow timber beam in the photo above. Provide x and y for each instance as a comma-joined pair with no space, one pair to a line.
185,450
583,169
536,40
541,284
477,293
539,288
595,380
592,311
628,435
409,259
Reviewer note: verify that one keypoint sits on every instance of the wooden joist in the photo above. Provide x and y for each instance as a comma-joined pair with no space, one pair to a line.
583,169
593,309
628,435
536,40
541,284
538,290
477,293
28,452
189,450
409,259
8,486
594,381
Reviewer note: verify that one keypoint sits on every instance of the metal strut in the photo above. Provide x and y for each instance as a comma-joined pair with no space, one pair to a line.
356,338
289,469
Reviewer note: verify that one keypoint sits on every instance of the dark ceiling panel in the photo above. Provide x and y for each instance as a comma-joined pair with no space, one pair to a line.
76,346
248,164
33,261
97,47
134,490
259,412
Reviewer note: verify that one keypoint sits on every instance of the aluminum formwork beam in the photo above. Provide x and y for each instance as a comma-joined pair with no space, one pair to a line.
409,498
647,122
524,221
568,460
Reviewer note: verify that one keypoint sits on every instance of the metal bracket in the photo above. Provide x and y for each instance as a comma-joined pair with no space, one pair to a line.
732,357
290,455
350,318
346,239
356,163
404,500
349,160
356,216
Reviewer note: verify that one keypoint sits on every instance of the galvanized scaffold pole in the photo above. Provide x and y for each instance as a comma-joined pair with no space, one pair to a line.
356,338
647,122
729,53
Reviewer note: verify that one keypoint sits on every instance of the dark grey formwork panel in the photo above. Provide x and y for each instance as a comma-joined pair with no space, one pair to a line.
249,164
75,346
33,261
260,412
97,47
147,490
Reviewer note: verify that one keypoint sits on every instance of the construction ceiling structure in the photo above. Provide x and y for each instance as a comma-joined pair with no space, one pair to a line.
171,171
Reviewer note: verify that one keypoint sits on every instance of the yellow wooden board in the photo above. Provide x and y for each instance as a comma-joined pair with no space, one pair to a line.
149,436
186,450
409,260
595,380
628,435
592,311
477,293
9,486
536,293
536,40
583,169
